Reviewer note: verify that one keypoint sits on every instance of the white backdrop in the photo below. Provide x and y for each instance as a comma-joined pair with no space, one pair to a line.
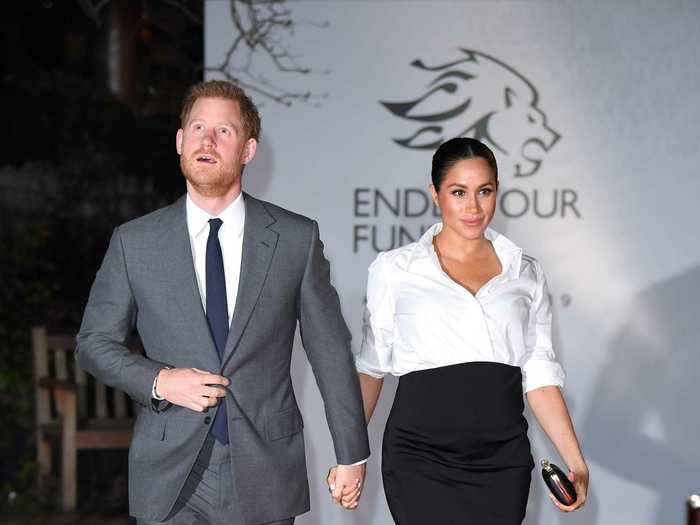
597,103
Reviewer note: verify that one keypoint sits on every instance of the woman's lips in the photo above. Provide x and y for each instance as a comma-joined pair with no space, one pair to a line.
471,222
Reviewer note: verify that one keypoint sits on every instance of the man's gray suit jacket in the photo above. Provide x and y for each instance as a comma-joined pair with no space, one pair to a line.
147,280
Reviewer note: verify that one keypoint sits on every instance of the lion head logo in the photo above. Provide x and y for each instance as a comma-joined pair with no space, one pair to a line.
481,97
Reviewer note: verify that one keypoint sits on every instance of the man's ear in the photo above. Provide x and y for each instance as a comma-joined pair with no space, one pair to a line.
178,141
251,146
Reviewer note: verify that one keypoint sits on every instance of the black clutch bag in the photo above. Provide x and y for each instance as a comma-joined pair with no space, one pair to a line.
559,485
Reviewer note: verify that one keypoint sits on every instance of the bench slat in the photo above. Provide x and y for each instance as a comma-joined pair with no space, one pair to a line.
101,439
61,365
60,341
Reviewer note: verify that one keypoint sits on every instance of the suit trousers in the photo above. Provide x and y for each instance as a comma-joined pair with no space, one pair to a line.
208,496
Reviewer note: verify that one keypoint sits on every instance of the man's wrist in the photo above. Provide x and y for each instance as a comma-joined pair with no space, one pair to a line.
154,390
356,464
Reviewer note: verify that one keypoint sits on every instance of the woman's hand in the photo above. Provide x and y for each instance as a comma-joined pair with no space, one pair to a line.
551,411
579,478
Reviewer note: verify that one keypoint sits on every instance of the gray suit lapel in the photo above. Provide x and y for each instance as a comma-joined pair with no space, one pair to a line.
259,243
178,266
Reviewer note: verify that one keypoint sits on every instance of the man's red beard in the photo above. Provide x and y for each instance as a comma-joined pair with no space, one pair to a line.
208,180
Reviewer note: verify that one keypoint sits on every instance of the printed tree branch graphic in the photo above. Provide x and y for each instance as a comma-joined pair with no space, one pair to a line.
262,27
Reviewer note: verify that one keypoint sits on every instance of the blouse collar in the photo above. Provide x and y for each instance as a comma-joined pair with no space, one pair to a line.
508,253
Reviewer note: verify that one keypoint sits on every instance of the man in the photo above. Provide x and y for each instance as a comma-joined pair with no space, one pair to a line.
215,285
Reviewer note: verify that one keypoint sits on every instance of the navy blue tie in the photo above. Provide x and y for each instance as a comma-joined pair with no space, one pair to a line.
217,315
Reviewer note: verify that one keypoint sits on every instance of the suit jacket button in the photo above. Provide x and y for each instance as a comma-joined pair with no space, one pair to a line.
207,420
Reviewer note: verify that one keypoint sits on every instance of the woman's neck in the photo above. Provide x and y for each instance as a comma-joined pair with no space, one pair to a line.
450,244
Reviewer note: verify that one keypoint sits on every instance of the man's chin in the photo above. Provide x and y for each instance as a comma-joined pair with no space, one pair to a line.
210,189
209,184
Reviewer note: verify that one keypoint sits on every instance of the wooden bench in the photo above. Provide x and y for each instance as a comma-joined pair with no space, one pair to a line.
73,411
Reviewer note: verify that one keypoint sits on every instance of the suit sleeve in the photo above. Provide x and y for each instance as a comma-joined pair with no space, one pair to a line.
326,340
108,320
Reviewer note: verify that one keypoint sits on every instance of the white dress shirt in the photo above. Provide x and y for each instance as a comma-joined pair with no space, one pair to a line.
231,240
417,317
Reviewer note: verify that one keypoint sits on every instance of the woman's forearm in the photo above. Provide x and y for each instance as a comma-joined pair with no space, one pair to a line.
371,388
551,412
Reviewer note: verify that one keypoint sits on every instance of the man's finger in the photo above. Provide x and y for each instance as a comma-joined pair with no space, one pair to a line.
213,379
337,492
211,402
195,406
213,391
203,402
352,484
349,496
210,378
343,493
350,506
351,489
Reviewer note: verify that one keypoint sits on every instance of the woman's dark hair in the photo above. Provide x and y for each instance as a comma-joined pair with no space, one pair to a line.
460,148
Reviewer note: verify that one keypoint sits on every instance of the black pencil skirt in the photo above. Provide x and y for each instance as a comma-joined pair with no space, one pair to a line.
455,448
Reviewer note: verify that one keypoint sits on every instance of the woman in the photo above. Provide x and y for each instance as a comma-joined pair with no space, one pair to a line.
463,317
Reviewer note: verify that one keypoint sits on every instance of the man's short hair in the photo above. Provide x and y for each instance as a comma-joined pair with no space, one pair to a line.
223,89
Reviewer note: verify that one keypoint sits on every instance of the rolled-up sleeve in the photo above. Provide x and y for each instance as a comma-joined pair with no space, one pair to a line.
374,357
540,366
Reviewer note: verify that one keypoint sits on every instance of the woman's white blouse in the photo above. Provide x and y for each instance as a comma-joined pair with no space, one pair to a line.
417,317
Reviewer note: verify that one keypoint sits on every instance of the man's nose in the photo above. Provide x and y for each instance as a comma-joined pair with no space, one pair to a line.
208,139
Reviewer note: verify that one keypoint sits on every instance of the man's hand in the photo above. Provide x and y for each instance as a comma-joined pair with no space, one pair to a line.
345,483
191,388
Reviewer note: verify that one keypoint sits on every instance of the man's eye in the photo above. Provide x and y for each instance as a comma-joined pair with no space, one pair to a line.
224,131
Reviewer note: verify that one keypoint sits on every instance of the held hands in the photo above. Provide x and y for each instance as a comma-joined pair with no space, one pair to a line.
345,484
579,477
191,388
